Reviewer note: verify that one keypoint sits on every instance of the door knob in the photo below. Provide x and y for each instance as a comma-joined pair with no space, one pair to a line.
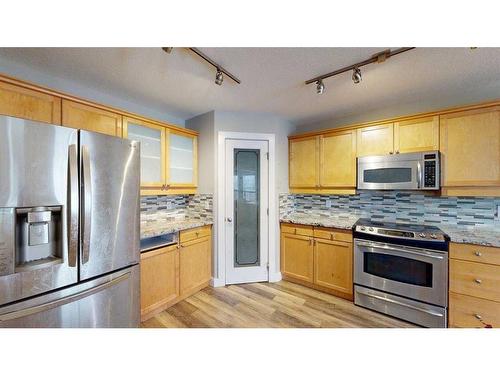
229,220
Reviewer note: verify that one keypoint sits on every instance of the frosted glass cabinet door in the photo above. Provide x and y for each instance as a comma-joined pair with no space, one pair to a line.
152,139
182,149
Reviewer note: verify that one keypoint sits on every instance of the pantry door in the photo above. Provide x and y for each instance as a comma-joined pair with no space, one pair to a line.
246,211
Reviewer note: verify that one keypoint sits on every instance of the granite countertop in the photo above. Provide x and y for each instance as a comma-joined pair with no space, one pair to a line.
160,227
485,235
340,221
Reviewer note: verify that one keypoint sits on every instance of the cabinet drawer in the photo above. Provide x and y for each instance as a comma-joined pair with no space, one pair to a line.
301,230
475,279
470,312
195,233
333,234
475,253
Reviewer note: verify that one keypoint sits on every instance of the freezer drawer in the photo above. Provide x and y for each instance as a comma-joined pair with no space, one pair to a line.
111,301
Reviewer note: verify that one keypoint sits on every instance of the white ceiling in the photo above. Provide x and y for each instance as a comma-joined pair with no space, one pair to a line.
182,84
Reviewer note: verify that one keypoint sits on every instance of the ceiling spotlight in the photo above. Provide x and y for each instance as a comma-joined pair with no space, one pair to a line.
356,75
167,49
219,77
320,87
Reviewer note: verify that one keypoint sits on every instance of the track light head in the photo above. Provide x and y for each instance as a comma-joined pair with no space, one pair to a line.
320,87
167,49
219,77
356,75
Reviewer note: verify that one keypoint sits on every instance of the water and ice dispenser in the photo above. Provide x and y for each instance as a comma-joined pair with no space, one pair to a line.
30,238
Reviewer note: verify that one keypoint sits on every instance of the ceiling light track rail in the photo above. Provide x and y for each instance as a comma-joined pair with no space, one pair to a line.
214,64
379,57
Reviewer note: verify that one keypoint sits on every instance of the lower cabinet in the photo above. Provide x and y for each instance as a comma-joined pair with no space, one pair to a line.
159,278
474,286
195,264
297,257
333,265
320,258
172,273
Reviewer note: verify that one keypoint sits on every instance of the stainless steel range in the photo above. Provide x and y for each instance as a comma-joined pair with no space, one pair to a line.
402,270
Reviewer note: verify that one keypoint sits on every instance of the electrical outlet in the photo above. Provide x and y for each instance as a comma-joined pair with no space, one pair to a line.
169,205
498,212
207,205
328,203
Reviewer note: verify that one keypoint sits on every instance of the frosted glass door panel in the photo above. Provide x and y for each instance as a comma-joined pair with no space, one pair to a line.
151,157
181,159
246,208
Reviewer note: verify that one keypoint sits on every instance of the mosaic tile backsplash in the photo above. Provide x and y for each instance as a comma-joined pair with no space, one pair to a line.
411,207
177,207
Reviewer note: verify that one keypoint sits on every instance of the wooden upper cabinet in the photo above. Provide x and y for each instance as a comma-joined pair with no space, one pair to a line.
304,162
85,117
416,135
182,159
29,104
153,150
470,148
375,140
338,159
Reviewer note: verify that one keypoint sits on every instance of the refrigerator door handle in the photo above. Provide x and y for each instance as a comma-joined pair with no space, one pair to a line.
72,211
86,204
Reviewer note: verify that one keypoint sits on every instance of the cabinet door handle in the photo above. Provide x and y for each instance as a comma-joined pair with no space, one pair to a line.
478,281
478,317
390,152
477,253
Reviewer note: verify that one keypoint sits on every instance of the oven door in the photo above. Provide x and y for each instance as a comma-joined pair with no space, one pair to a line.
406,271
389,175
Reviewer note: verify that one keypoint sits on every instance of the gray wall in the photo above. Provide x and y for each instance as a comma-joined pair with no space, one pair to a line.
114,99
209,125
261,123
397,109
204,125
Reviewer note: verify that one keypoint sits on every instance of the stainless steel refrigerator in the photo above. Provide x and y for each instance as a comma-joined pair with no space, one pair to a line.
69,227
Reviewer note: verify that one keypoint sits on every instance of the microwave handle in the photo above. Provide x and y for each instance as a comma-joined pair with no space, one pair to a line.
419,175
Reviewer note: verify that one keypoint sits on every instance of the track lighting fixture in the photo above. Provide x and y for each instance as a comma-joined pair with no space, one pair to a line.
356,72
356,75
320,87
221,72
219,77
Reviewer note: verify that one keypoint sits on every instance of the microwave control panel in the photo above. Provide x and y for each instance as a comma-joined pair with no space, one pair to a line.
430,171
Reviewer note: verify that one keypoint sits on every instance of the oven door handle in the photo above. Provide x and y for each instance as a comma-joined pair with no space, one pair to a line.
396,249
385,299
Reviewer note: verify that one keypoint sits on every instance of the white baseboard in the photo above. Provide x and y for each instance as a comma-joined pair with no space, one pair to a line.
217,282
275,277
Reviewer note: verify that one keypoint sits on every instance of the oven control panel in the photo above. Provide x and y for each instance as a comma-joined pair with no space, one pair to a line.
394,233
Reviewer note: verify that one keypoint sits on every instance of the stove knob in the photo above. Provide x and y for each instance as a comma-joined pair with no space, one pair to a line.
433,236
370,229
362,228
422,235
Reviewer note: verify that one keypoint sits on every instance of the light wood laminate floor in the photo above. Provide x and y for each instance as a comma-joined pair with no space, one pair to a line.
267,305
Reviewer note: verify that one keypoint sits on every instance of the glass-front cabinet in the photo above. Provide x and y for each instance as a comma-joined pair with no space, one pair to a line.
181,159
168,157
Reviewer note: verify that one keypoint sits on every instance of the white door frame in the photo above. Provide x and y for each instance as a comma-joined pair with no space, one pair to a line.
219,205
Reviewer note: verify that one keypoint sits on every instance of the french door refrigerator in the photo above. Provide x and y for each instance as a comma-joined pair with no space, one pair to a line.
69,227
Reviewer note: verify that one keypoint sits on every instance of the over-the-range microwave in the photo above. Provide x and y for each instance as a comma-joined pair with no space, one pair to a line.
412,171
